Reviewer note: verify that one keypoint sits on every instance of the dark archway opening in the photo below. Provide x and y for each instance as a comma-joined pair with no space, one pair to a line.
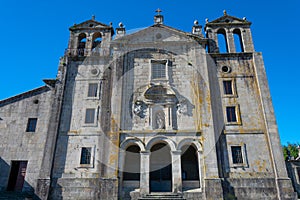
160,168
132,164
189,168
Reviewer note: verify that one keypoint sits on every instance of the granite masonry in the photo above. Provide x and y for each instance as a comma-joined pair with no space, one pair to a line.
158,113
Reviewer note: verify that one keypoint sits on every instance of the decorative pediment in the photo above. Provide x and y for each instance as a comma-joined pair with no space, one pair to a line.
90,24
158,33
227,19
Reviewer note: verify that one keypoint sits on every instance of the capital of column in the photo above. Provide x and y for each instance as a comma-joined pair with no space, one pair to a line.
145,153
176,152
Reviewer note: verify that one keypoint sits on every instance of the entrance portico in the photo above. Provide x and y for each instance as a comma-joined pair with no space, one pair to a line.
161,166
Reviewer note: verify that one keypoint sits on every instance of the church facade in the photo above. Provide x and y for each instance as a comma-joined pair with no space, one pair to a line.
159,113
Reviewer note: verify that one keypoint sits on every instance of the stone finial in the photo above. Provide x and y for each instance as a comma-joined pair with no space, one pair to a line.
197,29
93,17
206,20
244,18
121,30
224,12
158,18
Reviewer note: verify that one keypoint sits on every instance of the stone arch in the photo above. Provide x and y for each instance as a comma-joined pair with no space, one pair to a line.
238,40
132,141
161,139
222,40
190,141
96,39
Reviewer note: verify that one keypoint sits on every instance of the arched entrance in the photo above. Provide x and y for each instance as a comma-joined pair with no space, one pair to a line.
189,168
160,168
131,170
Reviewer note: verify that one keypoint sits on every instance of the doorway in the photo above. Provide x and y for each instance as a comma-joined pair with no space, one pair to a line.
17,176
160,168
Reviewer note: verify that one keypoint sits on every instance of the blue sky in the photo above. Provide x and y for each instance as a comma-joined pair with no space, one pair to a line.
34,34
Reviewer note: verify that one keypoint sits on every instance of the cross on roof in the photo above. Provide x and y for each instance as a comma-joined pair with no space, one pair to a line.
158,11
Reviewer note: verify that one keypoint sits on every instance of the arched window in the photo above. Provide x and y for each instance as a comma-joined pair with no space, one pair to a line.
132,163
96,40
81,43
238,42
222,41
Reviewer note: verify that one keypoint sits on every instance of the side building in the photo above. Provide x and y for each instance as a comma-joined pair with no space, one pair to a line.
158,113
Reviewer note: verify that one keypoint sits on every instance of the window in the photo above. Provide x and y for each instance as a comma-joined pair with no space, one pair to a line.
93,90
158,69
237,156
238,42
90,116
31,125
85,158
228,89
222,41
298,172
231,114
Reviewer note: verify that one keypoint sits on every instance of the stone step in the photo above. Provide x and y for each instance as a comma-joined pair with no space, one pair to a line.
164,196
5,195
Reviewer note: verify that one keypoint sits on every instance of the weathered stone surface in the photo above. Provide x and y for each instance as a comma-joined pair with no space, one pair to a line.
149,112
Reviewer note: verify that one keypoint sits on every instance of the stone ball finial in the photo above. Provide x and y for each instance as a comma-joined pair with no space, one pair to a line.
196,23
121,25
206,20
244,18
224,12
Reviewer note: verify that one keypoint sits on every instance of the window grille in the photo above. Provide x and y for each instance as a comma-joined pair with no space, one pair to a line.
158,70
90,116
228,87
237,156
85,155
231,114
93,89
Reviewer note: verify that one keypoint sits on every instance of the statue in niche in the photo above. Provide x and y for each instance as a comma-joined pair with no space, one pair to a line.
160,120
139,108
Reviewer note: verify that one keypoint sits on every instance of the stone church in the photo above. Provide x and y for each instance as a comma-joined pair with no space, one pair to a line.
156,114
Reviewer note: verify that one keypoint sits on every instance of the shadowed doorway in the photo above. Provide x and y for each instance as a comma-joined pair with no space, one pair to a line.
160,168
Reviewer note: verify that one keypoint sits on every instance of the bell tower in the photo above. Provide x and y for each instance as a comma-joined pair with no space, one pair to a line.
90,38
234,32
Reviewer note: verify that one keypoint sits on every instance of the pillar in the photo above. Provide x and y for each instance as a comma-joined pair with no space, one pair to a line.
199,167
145,169
230,42
176,171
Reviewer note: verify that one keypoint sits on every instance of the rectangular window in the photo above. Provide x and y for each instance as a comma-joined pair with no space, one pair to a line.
31,125
158,69
90,116
237,156
298,171
93,90
228,90
231,114
85,158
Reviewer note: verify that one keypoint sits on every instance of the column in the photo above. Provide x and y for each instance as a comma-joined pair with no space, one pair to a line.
230,42
145,169
176,172
199,167
168,116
